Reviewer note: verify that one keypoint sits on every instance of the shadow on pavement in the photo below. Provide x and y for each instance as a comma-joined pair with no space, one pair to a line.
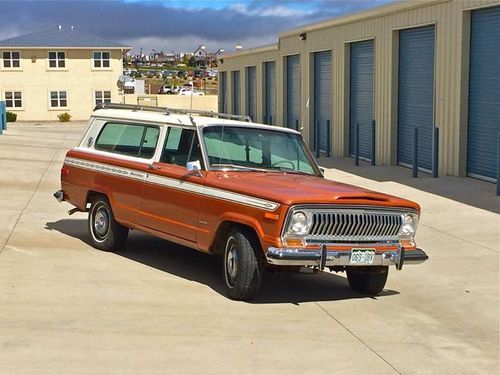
206,269
466,190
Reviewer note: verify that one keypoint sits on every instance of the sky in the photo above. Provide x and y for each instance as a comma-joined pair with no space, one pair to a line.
175,25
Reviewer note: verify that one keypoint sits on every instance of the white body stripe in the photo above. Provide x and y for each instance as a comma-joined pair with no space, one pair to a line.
173,183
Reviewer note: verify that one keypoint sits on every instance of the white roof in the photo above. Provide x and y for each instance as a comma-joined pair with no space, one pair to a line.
180,119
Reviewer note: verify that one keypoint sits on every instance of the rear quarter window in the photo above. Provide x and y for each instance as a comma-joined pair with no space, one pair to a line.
128,139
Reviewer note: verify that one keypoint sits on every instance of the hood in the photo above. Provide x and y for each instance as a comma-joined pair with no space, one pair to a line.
292,189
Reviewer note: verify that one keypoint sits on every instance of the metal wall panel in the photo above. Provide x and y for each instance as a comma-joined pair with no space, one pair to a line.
269,116
236,97
251,74
484,93
416,94
223,93
361,96
292,91
322,98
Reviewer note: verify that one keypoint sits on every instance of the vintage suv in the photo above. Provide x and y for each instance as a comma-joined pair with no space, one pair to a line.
223,185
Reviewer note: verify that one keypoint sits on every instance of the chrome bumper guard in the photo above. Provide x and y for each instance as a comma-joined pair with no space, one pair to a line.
329,258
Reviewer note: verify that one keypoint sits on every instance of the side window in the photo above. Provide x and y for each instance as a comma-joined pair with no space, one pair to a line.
128,139
181,146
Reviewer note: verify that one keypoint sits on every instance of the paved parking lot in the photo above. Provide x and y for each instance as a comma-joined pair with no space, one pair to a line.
158,308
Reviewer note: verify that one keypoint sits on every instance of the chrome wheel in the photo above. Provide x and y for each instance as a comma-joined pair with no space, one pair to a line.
101,223
231,261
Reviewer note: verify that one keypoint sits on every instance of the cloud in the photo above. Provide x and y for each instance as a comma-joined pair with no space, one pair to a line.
166,25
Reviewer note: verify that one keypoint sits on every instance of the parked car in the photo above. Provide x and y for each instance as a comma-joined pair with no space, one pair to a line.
251,193
169,89
189,91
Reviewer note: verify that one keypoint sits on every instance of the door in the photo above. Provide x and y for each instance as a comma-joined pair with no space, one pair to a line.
236,93
251,93
416,95
270,93
361,97
223,93
292,91
322,98
484,94
170,199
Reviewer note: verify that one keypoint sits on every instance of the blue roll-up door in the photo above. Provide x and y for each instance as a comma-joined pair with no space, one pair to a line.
270,93
322,97
236,93
416,94
223,93
252,92
484,93
292,91
361,97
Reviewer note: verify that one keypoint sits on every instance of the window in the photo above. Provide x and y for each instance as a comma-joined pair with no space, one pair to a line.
13,99
180,147
11,59
128,139
101,59
57,60
58,99
102,97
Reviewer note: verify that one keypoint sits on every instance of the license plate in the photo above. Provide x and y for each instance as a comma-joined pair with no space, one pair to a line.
362,256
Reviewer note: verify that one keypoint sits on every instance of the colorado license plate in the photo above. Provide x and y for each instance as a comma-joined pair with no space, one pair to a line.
362,256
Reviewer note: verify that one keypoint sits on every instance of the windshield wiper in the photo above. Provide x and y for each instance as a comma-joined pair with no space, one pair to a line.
237,167
292,171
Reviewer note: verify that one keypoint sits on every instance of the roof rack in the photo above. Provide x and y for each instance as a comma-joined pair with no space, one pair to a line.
166,110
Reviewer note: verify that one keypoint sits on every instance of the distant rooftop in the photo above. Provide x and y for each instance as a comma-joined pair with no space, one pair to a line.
60,37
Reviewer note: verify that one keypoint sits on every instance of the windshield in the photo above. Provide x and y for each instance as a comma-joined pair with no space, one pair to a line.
250,148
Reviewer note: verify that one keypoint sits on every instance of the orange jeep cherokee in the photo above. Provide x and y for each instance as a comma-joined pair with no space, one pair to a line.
220,184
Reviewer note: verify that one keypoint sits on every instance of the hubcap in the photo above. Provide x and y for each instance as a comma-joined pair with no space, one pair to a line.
101,222
231,261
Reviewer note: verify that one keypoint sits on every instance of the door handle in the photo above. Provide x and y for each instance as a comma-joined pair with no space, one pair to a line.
153,167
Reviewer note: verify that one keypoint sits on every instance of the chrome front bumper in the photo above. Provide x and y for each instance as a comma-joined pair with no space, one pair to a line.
328,258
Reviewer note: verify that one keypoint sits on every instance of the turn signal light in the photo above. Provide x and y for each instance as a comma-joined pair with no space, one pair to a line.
64,171
294,242
271,216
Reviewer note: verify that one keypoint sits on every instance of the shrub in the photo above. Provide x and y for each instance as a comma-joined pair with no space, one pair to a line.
11,116
64,117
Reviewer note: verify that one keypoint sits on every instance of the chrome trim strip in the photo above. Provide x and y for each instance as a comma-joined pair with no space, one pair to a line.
173,183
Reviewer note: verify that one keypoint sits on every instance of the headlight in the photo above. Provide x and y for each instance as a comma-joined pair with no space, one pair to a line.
299,223
409,227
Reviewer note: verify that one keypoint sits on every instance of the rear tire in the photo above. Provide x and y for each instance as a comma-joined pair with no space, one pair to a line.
243,269
105,232
369,280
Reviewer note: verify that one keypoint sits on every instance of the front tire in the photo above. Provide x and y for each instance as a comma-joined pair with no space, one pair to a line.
105,232
369,280
243,269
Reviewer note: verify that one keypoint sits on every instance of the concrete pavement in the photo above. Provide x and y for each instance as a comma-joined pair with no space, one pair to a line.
158,308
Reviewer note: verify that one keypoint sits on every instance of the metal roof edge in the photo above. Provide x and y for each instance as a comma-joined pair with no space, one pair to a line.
260,49
62,47
379,11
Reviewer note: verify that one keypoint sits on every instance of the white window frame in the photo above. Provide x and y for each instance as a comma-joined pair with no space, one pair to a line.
13,99
101,60
102,99
11,60
57,60
58,99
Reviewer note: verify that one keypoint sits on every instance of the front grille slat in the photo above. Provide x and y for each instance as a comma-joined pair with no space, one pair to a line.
353,225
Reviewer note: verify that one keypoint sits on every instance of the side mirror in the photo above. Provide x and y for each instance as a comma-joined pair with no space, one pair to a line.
322,170
194,166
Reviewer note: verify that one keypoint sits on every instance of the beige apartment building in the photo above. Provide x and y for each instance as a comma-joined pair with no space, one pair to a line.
364,82
60,70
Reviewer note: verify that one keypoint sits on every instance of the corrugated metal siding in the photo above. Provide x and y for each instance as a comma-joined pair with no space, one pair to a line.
292,91
270,93
322,97
416,94
252,92
236,97
361,96
451,68
484,93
